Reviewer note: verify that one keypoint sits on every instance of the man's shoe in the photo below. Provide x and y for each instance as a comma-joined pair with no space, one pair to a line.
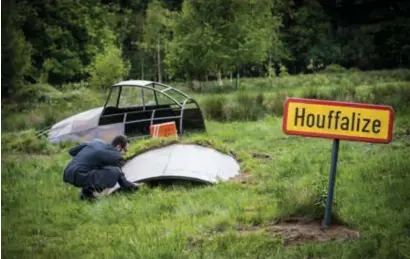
84,195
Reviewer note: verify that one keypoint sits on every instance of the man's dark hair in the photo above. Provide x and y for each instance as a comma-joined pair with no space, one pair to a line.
120,140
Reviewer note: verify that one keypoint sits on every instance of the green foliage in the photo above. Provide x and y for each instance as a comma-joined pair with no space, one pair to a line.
213,107
374,87
108,68
283,70
274,103
35,93
210,36
242,106
39,106
72,37
26,142
334,68
270,71
245,106
156,31
308,37
156,24
16,51
55,43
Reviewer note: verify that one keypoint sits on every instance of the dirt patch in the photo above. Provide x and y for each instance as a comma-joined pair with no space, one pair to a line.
297,231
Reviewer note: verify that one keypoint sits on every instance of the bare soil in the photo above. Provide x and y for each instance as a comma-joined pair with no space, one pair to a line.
297,231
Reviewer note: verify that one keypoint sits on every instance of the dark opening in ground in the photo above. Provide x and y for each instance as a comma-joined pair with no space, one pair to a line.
173,182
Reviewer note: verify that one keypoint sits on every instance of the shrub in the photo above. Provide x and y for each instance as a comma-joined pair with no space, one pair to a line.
251,105
354,69
241,106
283,71
334,68
364,94
274,104
318,80
214,107
317,93
30,95
397,96
26,141
343,93
232,111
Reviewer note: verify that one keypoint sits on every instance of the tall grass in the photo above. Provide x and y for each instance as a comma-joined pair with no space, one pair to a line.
247,105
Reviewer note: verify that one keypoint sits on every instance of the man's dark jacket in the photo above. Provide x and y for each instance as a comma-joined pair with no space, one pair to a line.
97,164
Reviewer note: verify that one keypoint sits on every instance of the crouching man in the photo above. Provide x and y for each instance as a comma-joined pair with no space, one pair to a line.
96,166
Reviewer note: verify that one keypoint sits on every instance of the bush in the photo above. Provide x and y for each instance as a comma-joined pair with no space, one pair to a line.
241,106
283,71
397,96
31,95
232,111
214,107
250,106
354,69
334,68
274,104
26,142
343,93
316,92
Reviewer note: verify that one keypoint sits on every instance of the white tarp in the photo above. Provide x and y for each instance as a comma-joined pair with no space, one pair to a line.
181,161
84,127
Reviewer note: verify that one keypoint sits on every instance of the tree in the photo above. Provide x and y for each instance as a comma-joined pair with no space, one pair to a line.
253,35
156,31
16,51
211,36
108,67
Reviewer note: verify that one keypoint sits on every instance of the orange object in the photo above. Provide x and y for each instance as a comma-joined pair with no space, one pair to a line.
163,130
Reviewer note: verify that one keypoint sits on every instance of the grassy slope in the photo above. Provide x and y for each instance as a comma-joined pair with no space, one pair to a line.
43,218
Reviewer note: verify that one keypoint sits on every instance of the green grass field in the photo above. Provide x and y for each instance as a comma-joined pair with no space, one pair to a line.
43,218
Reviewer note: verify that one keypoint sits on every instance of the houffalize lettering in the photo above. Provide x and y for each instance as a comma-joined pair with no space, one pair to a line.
334,120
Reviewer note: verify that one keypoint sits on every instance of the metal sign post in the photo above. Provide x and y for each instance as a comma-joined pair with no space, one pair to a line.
332,178
337,121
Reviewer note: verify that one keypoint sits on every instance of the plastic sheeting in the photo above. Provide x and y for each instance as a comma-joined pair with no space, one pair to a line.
181,161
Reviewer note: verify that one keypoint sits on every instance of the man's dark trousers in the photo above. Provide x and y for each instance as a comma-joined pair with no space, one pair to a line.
100,179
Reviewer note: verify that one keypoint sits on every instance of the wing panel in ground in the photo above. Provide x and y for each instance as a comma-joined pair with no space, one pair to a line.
181,161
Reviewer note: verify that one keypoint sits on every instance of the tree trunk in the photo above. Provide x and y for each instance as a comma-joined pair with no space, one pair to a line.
142,65
159,61
231,78
220,78
237,78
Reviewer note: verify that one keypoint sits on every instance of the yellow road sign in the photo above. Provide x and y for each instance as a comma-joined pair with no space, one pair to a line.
338,120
